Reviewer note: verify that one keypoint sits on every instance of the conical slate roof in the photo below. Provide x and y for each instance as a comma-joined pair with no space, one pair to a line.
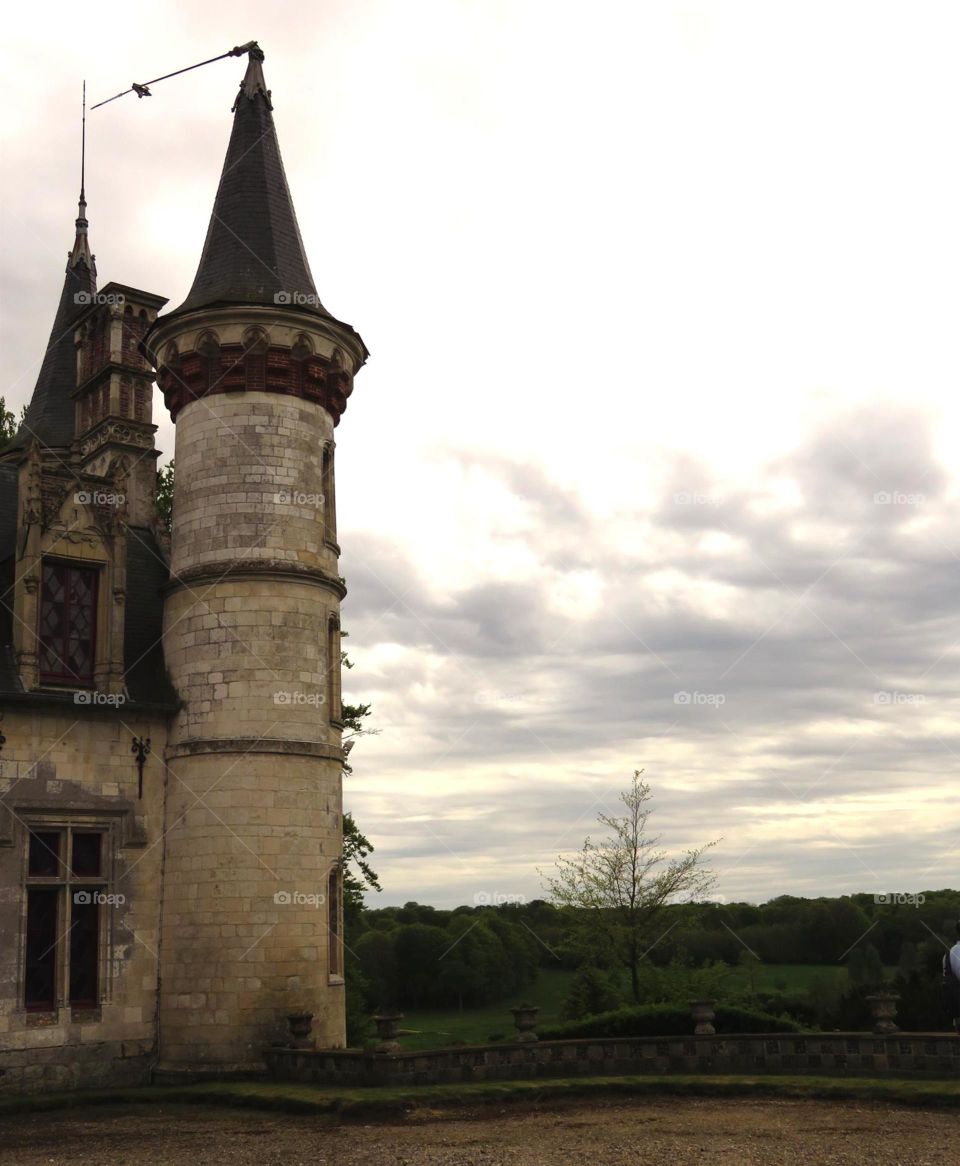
50,414
253,253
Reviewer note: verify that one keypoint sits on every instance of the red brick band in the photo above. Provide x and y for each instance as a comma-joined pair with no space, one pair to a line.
234,369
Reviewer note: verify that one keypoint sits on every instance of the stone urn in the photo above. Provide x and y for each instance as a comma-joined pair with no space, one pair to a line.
703,1014
883,1007
300,1024
525,1019
388,1025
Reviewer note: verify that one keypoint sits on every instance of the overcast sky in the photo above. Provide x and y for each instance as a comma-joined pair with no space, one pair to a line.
663,307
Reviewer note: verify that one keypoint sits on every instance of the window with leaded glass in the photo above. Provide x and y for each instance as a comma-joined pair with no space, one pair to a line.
68,610
67,891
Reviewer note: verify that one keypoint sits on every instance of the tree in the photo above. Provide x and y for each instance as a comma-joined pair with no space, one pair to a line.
865,967
590,992
750,962
352,717
618,888
9,423
165,477
357,872
418,949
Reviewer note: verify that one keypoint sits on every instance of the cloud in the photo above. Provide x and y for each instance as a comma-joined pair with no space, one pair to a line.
784,688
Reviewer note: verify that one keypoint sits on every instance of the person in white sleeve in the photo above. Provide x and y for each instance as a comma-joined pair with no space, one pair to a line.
951,981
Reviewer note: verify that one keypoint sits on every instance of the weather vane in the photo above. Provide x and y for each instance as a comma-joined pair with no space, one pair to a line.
144,89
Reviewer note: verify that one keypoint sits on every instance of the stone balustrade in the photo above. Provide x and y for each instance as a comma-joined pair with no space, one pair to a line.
834,1053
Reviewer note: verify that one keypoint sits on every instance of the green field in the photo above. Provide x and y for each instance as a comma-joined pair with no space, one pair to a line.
430,1029
434,1028
790,978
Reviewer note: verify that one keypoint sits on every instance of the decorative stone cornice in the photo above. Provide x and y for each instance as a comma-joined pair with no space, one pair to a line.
136,434
278,570
191,746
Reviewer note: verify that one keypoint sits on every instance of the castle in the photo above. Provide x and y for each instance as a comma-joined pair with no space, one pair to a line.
170,741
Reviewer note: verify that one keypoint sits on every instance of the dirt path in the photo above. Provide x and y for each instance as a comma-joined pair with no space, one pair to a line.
671,1132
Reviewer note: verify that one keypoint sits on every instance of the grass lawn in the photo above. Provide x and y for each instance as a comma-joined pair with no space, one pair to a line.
424,1028
372,1103
434,1028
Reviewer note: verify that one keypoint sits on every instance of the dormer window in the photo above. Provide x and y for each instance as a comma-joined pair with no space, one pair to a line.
68,624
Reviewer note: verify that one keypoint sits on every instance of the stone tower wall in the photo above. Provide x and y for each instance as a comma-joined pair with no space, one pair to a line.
251,639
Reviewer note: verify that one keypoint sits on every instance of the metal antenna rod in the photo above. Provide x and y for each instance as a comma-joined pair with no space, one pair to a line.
83,142
144,89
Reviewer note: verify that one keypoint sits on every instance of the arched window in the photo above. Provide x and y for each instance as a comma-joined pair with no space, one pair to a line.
255,359
129,337
208,349
141,402
299,355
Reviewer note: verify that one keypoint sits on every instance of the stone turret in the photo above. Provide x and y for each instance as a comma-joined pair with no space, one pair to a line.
256,374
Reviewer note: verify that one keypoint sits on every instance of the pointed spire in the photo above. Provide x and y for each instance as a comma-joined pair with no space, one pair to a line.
50,414
253,252
81,246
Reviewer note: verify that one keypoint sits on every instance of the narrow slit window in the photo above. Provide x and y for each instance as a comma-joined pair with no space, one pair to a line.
333,670
329,497
333,922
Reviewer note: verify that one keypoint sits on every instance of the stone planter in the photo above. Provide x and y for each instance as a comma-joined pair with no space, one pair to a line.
703,1014
388,1024
883,1007
525,1019
300,1024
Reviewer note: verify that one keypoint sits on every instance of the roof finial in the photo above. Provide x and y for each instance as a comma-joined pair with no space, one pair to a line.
253,82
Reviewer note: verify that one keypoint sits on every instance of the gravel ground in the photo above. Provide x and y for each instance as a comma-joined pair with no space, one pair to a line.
675,1132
